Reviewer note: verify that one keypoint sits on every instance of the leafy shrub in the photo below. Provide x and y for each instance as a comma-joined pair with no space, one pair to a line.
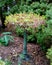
44,35
5,38
25,6
28,19
49,55
49,5
14,9
49,14
5,6
36,7
30,37
25,19
40,8
19,31
37,29
8,2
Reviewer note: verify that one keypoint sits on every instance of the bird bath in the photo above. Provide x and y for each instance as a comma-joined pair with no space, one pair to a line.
25,21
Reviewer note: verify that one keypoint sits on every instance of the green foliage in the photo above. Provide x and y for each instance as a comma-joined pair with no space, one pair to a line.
19,31
49,5
2,62
49,55
45,1
49,13
41,30
5,38
37,7
3,2
40,8
14,9
30,37
25,6
5,62
44,35
4,7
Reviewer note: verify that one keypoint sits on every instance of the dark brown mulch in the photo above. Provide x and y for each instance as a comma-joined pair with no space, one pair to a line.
12,51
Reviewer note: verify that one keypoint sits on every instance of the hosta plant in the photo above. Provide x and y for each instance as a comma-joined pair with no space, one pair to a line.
6,38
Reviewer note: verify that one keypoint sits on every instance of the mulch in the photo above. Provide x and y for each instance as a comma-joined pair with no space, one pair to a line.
12,51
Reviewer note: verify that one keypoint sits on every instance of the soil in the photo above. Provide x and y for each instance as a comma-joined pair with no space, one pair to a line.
12,51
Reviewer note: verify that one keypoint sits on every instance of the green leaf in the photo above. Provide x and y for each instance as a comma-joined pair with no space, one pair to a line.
6,33
6,40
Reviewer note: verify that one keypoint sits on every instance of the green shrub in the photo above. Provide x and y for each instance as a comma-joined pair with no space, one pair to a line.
41,30
35,5
25,6
31,20
40,8
30,36
14,9
44,35
49,13
19,31
49,55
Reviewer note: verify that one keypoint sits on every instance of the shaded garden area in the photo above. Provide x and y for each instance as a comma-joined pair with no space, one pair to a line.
25,32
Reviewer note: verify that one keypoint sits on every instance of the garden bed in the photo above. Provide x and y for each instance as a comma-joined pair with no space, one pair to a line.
12,51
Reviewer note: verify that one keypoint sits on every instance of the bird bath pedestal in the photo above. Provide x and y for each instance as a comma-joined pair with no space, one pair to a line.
24,58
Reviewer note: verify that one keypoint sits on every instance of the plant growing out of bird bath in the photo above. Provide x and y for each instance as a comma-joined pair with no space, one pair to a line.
24,20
